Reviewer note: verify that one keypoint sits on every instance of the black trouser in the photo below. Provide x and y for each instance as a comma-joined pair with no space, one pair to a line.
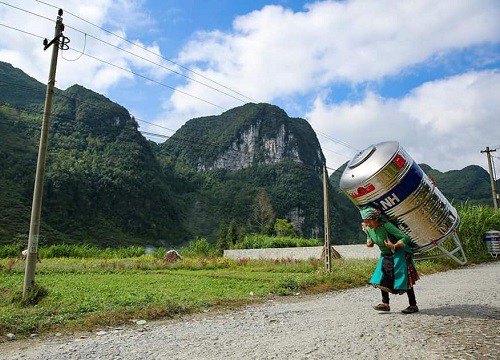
411,297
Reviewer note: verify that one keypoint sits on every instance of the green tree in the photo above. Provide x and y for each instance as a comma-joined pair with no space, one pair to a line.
222,238
284,228
233,233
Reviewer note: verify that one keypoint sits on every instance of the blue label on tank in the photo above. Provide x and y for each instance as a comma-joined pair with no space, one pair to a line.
401,191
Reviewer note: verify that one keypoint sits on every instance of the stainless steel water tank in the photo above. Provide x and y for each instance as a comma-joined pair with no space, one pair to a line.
492,239
386,177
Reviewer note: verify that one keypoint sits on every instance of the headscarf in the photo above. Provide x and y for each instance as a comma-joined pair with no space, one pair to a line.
369,213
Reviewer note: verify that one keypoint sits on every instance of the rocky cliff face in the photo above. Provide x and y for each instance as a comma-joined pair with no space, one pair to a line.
253,134
244,151
258,147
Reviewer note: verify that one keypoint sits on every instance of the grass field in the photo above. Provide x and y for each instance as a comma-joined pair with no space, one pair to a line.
86,288
85,294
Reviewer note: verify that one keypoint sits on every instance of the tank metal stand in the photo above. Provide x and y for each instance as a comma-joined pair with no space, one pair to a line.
449,253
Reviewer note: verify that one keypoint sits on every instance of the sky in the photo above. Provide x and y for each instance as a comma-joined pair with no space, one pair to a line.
421,72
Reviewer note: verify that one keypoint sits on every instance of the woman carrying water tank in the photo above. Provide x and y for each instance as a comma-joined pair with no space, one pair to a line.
395,272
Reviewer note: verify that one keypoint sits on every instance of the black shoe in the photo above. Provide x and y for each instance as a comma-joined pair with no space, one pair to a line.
382,307
410,310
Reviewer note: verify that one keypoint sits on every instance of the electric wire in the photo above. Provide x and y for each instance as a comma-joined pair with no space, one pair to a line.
148,50
133,72
81,52
26,11
23,31
154,134
156,64
340,142
177,138
154,81
60,93
335,152
150,79
121,68
198,145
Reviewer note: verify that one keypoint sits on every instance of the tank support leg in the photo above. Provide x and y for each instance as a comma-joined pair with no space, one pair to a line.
458,248
451,253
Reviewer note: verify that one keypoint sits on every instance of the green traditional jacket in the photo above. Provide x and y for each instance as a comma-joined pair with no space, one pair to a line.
386,231
391,232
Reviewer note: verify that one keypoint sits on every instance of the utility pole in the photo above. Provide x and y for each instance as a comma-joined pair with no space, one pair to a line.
328,258
492,180
29,275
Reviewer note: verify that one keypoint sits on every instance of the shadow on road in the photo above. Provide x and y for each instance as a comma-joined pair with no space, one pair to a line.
485,312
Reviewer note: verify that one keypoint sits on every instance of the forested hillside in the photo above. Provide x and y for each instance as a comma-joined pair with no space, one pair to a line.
250,150
105,184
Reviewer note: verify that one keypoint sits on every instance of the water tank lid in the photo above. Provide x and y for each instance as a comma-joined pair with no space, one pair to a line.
367,163
361,156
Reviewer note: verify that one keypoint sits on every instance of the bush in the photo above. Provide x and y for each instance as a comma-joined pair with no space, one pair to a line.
199,247
160,253
9,251
86,251
475,221
257,241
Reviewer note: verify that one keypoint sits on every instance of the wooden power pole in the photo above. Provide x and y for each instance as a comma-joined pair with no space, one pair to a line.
29,275
327,246
492,179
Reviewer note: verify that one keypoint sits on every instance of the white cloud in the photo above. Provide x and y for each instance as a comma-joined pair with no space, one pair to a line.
277,55
275,52
443,123
26,52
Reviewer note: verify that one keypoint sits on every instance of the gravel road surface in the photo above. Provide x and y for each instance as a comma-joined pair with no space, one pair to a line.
459,318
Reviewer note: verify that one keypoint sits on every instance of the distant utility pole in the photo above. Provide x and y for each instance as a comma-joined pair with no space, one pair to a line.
492,180
29,275
327,246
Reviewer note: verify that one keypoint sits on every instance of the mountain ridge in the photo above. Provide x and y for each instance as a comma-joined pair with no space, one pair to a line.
107,184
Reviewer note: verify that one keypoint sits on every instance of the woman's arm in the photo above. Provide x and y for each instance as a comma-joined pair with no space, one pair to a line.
402,238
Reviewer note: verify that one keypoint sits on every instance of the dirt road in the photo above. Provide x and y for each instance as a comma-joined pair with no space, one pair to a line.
459,318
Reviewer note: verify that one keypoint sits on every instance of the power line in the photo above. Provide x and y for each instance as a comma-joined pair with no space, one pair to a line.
340,142
157,64
335,152
130,71
119,67
154,134
154,81
152,52
25,32
329,168
27,11
81,52
60,93
192,143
